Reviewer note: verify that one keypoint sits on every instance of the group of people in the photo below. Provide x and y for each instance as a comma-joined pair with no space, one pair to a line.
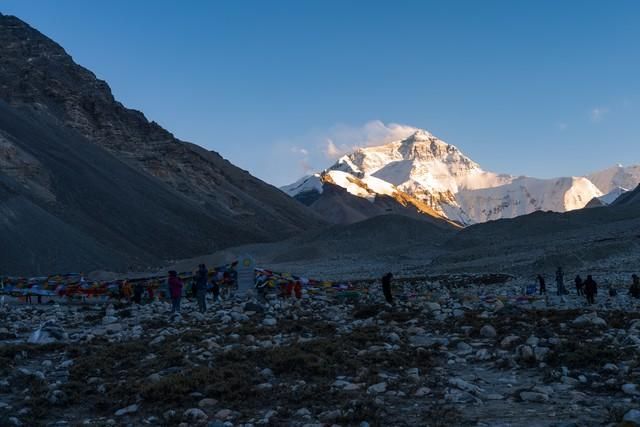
201,285
587,287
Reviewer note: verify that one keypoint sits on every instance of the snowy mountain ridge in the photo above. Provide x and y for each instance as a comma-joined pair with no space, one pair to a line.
455,187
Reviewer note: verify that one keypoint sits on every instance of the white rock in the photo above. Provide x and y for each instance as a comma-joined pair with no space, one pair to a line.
207,403
157,340
106,320
223,414
194,414
525,352
488,331
533,341
589,319
303,412
509,341
377,388
432,306
483,354
532,396
465,386
632,416
541,353
464,348
128,410
269,321
631,389
422,391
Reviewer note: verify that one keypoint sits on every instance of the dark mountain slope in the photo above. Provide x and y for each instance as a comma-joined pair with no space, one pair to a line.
36,72
629,198
130,217
110,188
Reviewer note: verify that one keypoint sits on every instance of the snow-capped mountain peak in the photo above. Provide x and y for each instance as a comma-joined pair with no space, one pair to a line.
439,175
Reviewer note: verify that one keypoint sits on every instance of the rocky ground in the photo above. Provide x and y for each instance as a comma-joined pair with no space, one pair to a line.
451,351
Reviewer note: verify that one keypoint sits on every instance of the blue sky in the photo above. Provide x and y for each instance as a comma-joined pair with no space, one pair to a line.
542,88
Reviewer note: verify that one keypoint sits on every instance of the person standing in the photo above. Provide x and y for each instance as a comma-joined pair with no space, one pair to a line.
202,277
634,290
175,290
386,287
126,290
543,285
560,281
590,289
297,289
138,290
215,289
579,284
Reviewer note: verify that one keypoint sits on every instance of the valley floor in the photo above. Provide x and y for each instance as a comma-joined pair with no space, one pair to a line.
448,352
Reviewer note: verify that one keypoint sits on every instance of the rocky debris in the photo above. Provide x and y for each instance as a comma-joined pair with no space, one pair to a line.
321,361
591,319
48,333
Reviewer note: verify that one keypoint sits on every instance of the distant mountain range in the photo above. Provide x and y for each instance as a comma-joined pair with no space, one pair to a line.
425,175
86,183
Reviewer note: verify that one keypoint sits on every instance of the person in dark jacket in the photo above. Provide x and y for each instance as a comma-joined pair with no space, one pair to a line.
590,289
215,289
175,291
138,290
560,281
579,284
202,277
634,290
543,285
386,287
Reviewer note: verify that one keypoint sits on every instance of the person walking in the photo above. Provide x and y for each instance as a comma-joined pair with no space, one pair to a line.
175,290
634,290
543,285
579,284
590,289
202,277
386,287
560,281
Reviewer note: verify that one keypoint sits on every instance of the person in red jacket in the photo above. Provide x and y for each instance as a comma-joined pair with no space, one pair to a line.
288,289
297,289
175,291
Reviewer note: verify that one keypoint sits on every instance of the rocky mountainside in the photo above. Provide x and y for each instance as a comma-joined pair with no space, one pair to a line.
628,198
345,198
453,186
53,105
616,178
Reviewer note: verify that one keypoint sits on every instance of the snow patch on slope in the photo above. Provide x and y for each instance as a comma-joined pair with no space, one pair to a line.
303,185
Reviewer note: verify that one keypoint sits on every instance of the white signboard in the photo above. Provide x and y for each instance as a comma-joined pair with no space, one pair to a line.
246,274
